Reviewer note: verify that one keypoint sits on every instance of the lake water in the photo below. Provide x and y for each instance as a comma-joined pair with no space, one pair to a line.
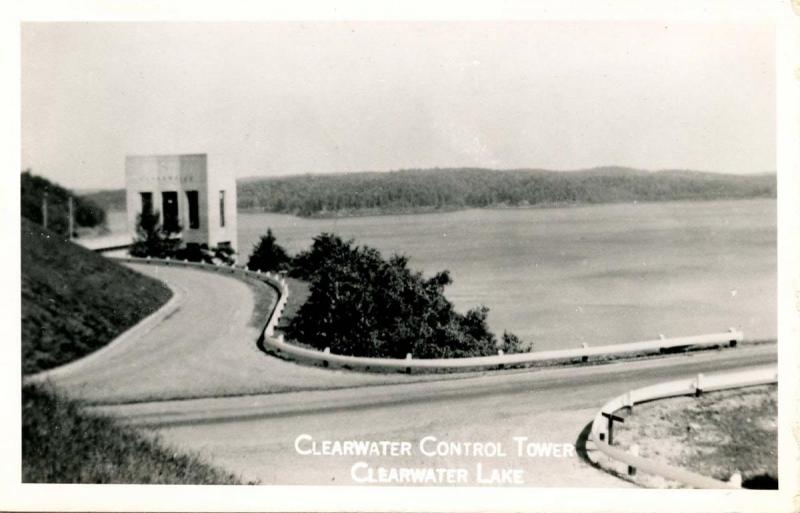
596,274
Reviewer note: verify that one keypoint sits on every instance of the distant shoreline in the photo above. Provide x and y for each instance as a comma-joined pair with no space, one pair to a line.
446,210
423,191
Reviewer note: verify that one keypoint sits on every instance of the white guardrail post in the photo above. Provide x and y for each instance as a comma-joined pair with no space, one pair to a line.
634,451
698,385
732,342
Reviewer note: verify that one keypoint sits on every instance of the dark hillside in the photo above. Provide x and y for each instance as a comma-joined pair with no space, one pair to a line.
75,301
33,189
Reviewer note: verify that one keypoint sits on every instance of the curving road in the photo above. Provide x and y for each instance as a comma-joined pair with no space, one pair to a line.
255,435
205,350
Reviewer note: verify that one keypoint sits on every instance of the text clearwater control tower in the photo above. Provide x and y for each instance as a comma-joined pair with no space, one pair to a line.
191,197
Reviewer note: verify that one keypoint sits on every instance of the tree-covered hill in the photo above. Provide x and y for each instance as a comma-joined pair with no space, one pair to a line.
476,188
110,199
449,189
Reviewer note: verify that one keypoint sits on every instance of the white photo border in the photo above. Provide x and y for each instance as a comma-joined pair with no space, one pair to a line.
42,497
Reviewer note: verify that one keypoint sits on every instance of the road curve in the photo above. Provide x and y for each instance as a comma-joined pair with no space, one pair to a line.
198,381
205,347
255,435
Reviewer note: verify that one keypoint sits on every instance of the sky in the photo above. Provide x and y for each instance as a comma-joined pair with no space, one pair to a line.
280,98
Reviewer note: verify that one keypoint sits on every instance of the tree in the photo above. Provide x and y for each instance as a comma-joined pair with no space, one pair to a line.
513,344
361,304
151,239
326,249
268,255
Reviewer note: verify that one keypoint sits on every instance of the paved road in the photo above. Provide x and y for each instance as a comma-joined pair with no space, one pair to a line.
255,435
206,348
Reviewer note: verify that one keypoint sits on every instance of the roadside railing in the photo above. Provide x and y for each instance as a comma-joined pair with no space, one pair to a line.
269,342
409,364
603,424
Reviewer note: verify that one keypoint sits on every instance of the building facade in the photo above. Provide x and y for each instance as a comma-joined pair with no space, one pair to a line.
192,197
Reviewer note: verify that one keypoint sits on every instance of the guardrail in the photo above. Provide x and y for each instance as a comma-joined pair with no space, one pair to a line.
269,342
326,358
602,426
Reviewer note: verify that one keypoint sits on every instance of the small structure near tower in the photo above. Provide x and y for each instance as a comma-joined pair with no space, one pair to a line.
193,199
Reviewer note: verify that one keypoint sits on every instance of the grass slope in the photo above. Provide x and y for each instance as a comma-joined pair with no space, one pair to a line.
62,444
75,301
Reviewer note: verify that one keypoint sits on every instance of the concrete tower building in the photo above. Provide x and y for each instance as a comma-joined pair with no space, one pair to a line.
190,196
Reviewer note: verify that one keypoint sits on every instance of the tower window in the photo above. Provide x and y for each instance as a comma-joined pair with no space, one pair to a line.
222,208
147,202
194,213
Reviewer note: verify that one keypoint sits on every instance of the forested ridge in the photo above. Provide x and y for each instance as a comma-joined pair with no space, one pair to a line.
449,189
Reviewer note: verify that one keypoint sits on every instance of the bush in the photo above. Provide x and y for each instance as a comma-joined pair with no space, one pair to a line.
152,240
195,253
513,344
361,304
268,255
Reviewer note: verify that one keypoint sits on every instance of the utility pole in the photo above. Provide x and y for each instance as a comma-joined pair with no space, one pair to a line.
70,221
44,209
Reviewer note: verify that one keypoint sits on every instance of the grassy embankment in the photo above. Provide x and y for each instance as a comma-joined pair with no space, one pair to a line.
74,302
715,435
299,290
62,444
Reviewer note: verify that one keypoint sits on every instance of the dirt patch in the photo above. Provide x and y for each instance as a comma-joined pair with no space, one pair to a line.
716,435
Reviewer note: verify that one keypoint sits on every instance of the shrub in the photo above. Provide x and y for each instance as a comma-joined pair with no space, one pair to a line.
361,304
152,240
268,255
513,344
195,253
